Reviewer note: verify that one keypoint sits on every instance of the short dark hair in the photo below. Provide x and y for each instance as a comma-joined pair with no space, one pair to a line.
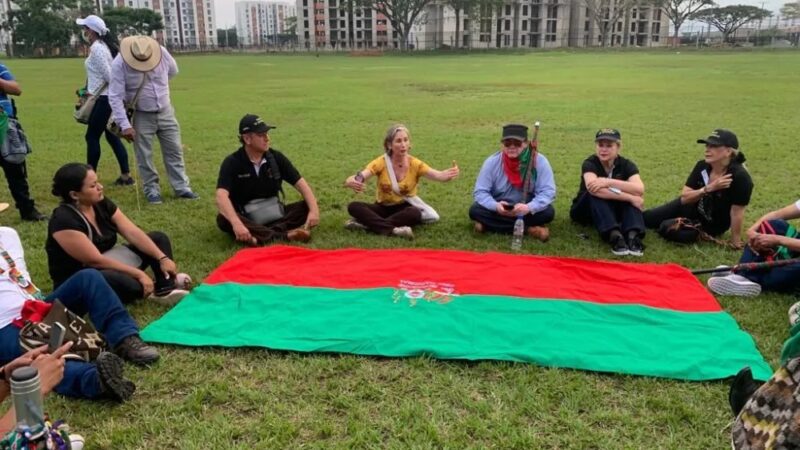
69,178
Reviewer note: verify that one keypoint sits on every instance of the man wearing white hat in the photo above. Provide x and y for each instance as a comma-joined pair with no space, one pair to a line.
140,78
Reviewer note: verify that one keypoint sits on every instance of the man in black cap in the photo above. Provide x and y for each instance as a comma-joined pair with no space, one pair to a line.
502,194
714,197
249,191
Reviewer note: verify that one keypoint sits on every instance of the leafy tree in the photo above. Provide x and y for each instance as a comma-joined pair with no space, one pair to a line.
42,25
402,14
605,14
290,25
460,6
227,38
133,21
728,19
791,10
680,10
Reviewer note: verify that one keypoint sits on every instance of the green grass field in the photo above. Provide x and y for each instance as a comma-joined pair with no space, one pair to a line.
331,113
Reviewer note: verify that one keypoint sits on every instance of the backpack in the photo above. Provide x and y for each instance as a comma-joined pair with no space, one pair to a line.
15,146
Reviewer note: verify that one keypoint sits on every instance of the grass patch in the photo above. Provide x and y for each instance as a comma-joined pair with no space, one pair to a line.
331,114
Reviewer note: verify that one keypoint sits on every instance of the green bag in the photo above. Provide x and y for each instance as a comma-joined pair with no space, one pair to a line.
3,125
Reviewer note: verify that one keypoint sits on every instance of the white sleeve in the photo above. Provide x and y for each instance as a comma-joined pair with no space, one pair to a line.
797,205
9,240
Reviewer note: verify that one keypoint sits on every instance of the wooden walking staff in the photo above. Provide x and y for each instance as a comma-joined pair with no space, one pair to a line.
747,267
533,146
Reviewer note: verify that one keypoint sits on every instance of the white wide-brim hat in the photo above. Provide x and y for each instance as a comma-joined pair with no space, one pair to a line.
93,23
142,53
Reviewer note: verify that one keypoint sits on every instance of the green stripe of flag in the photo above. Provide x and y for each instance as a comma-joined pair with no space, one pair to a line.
631,339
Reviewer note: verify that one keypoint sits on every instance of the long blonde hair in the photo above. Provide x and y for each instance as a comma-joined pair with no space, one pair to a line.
391,133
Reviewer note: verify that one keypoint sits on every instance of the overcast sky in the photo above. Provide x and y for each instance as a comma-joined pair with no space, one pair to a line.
226,16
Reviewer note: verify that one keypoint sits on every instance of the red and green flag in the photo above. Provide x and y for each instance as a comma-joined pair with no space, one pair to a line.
643,319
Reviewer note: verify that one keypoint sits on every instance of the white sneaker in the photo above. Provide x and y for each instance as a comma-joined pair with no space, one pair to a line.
404,232
723,273
734,285
352,224
794,314
183,282
76,442
171,298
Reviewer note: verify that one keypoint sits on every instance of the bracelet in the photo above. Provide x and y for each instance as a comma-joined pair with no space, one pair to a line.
163,258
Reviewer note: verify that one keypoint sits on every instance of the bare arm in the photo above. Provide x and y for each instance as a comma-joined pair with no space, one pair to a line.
10,87
605,193
632,185
358,186
308,195
786,213
136,236
442,175
78,246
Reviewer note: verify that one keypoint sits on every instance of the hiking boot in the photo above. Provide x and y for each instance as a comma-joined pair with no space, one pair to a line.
169,298
742,388
353,224
124,181
734,285
478,227
618,245
635,246
403,232
133,349
541,233
298,235
33,216
112,382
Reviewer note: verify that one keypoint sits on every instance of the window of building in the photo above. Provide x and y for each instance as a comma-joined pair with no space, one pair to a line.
552,12
655,38
305,13
146,5
130,3
343,34
524,10
305,24
524,25
619,26
507,25
358,23
535,11
342,24
332,3
358,34
586,26
508,10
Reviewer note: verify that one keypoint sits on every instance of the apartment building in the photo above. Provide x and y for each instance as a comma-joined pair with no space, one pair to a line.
326,24
259,22
187,23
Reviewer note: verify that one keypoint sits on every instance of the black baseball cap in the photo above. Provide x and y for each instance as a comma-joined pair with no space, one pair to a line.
251,123
515,131
723,137
607,134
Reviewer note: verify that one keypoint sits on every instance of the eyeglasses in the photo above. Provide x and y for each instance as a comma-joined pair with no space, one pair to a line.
512,143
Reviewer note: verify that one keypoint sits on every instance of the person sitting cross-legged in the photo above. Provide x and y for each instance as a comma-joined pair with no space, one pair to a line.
250,181
85,292
500,193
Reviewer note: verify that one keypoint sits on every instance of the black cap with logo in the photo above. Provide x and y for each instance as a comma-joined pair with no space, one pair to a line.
721,137
515,131
251,123
607,134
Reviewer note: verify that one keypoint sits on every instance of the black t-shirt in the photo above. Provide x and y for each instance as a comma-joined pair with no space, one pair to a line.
714,209
622,169
238,176
64,217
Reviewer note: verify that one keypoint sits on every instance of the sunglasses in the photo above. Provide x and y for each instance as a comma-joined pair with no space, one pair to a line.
511,143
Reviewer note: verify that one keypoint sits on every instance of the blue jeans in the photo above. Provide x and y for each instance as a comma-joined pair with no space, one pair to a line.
780,279
607,215
98,119
85,292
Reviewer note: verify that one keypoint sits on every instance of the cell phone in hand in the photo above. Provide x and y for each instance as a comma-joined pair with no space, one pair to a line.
57,333
508,207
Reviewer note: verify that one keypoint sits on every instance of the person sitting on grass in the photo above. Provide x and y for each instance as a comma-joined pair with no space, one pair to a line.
714,197
250,181
397,208
85,292
498,193
611,196
770,238
83,233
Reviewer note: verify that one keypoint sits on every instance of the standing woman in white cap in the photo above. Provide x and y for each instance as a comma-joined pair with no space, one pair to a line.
102,50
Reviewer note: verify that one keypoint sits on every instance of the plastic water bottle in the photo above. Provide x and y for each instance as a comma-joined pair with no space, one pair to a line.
519,230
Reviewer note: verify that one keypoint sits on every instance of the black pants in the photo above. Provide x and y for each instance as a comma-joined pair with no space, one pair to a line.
98,119
382,219
17,177
129,288
295,216
607,215
493,221
655,216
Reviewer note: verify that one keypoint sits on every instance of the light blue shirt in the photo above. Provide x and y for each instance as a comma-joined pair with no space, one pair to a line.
125,81
5,102
493,186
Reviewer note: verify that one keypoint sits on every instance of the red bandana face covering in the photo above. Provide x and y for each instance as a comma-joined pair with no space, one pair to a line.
512,167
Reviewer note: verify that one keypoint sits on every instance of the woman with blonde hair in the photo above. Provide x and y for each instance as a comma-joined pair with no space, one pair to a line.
397,207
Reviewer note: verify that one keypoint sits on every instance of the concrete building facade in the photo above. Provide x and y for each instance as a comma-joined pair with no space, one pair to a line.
259,22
